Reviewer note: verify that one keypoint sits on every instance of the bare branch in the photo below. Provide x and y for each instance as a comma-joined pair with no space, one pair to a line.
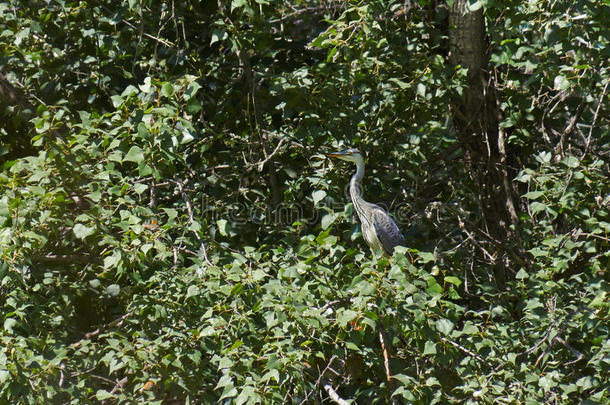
334,302
99,377
261,165
462,348
320,377
89,335
578,354
334,396
595,118
386,348
312,10
74,259
119,384
163,41
386,355
187,201
189,209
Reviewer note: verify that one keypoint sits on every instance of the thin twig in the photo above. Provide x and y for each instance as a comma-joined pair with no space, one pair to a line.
386,355
119,384
153,194
475,242
592,235
30,94
320,377
595,118
385,348
334,302
189,209
99,377
559,149
163,41
462,348
89,335
260,165
75,259
187,201
78,374
578,354
295,13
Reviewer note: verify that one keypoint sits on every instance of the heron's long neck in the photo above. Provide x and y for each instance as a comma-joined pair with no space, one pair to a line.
355,189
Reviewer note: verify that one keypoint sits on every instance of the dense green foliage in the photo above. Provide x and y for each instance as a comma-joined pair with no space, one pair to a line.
170,231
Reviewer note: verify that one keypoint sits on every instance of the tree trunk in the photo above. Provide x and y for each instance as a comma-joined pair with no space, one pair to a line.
476,120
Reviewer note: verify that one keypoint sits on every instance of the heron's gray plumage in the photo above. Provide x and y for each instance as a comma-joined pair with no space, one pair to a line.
378,229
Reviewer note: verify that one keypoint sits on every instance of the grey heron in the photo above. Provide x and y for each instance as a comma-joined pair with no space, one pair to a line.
378,229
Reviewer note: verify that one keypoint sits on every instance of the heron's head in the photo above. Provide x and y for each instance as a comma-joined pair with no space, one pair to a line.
350,155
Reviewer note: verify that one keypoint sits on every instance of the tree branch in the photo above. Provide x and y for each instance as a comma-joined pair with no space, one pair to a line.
334,396
74,259
189,210
588,142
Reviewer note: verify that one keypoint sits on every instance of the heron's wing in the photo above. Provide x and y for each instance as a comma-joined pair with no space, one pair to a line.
387,231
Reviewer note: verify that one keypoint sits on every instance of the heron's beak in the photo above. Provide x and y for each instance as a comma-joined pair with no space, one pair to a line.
337,154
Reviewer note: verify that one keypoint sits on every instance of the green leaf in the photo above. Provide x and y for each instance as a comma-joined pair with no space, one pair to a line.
344,316
146,87
139,188
113,290
469,329
129,91
536,207
521,274
561,83
218,34
327,220
191,90
421,90
223,227
453,280
186,137
434,288
117,101
4,376
112,260
537,252
167,90
272,374
445,326
192,291
402,85
571,161
532,195
429,348
82,231
9,324
318,195
194,106
102,395
247,394
426,257
135,154
365,288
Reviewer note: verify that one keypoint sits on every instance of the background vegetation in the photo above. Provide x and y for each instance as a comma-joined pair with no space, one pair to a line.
170,231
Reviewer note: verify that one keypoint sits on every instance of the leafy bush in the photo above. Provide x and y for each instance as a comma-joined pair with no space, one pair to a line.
171,233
